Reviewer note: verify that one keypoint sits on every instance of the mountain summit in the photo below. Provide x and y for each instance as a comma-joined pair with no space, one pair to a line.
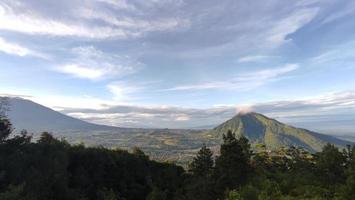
274,134
26,114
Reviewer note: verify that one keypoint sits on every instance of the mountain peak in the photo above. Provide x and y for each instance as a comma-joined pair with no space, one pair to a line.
26,114
259,128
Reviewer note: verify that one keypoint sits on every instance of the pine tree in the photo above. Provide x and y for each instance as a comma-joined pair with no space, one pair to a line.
157,194
5,129
233,164
200,186
202,164
348,190
331,165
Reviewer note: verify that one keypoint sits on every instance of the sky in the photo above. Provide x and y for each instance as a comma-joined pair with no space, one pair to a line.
183,64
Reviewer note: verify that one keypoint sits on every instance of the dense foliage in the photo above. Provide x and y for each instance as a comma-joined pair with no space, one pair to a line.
285,174
52,169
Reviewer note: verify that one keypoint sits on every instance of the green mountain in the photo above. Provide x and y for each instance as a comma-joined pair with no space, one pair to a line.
274,134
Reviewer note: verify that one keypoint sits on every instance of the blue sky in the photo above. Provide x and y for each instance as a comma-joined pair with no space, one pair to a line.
179,63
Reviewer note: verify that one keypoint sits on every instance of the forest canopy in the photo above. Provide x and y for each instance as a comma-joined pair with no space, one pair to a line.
51,168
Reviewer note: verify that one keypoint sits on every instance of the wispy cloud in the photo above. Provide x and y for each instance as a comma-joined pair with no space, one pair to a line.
17,50
91,63
134,26
256,58
123,92
81,24
13,49
338,53
331,102
31,23
243,82
118,4
279,32
349,9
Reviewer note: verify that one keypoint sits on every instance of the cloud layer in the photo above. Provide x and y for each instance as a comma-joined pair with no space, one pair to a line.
308,113
243,82
94,64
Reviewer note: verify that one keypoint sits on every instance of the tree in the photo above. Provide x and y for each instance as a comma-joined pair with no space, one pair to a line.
348,190
244,143
330,163
106,194
270,191
200,186
202,164
233,164
157,194
12,193
139,153
5,129
233,195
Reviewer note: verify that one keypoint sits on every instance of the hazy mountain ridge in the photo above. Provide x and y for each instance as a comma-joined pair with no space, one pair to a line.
274,134
26,114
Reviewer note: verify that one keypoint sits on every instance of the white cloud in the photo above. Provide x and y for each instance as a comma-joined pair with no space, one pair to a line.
91,63
83,71
31,23
183,117
339,53
242,82
122,92
18,50
281,29
13,49
34,23
257,58
347,10
118,4
134,25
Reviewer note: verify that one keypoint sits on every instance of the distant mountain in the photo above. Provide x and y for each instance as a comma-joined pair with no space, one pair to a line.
26,114
274,134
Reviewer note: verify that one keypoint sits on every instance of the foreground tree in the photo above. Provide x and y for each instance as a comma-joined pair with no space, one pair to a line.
5,129
5,125
202,164
330,164
200,186
348,190
233,164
